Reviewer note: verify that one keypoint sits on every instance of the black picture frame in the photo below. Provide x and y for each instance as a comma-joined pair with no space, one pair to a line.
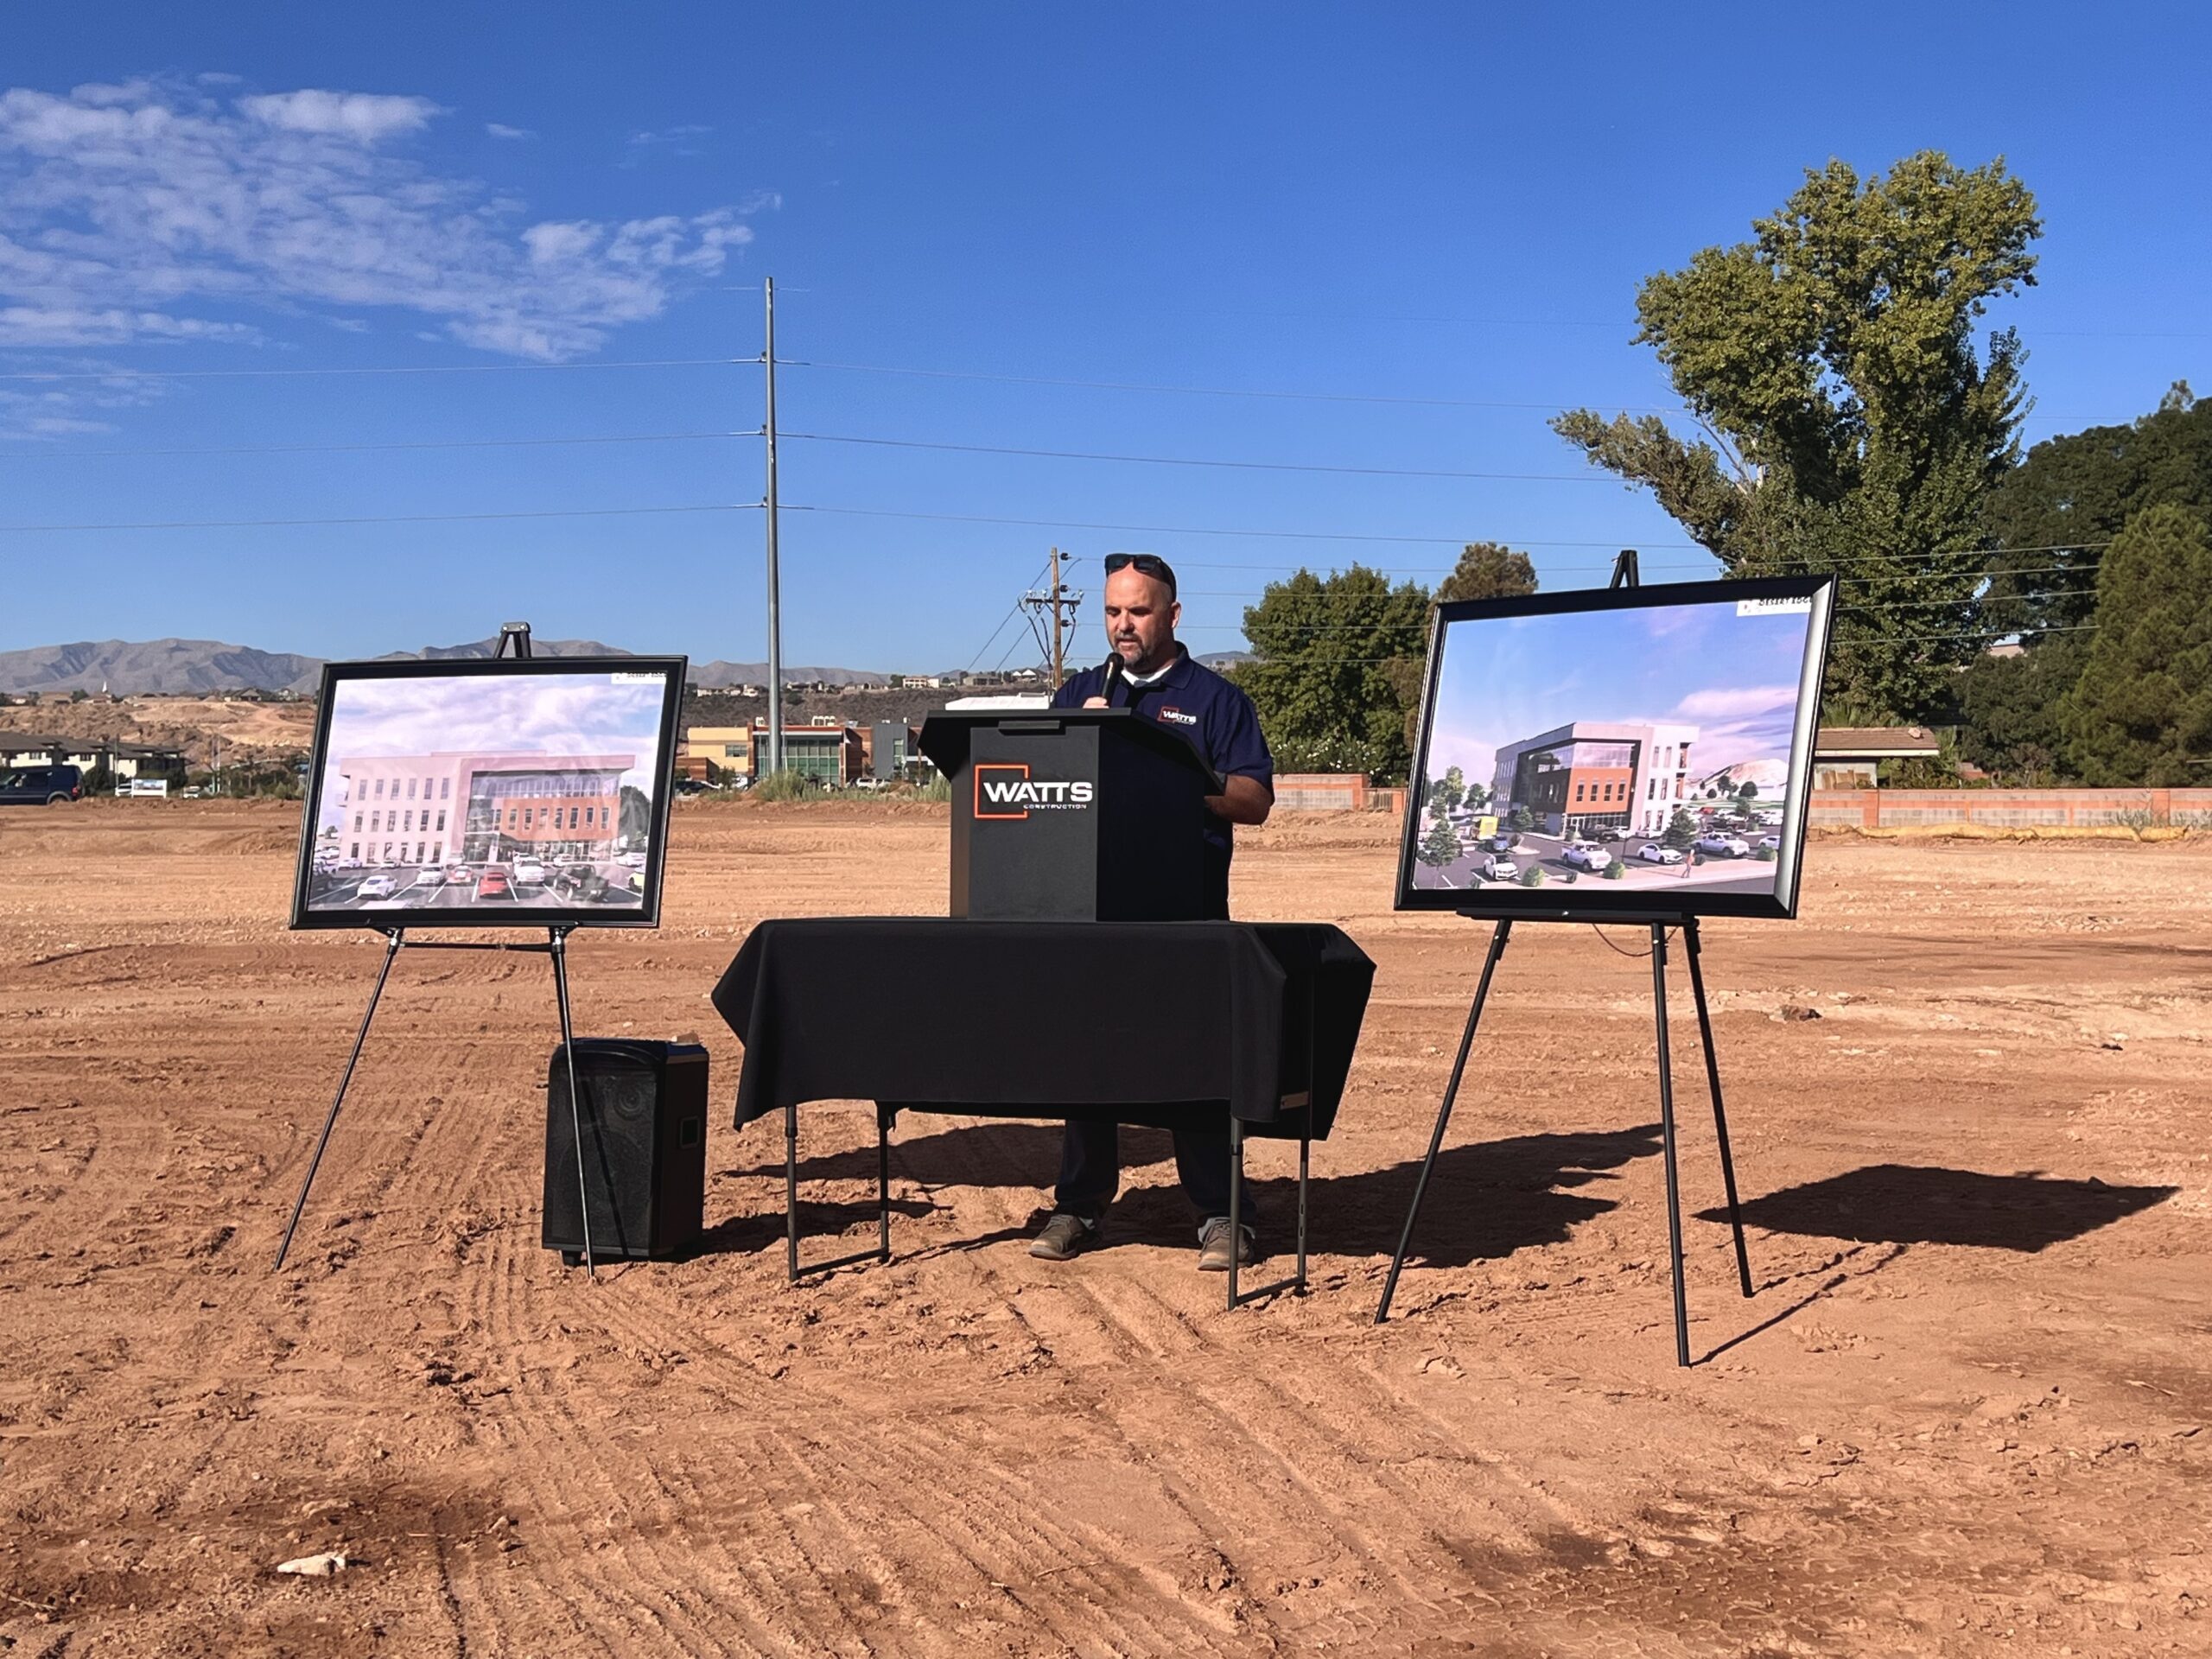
645,914
1599,901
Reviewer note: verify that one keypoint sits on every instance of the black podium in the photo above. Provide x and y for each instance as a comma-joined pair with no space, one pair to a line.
1090,815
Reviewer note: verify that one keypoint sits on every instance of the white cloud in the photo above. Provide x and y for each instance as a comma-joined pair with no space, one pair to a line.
501,129
125,208
1733,703
363,116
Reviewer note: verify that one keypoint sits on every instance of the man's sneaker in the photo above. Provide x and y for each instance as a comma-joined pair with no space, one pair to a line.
1213,1246
1063,1237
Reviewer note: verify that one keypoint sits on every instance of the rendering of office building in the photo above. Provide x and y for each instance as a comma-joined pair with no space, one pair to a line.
474,809
1596,777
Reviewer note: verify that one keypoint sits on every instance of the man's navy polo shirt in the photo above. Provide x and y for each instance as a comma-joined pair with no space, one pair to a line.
1211,715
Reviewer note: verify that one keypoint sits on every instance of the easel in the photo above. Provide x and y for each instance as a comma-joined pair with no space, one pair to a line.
517,635
1625,575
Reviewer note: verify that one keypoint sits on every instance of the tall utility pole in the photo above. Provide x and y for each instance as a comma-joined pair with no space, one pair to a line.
775,755
1062,604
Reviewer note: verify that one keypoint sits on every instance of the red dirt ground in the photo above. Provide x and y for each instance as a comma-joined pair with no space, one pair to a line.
1966,1413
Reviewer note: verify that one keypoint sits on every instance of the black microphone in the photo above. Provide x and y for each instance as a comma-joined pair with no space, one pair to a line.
1113,674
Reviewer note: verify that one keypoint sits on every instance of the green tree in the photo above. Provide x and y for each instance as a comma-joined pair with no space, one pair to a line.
1681,831
1520,820
1319,675
2053,513
1488,570
2141,712
1847,421
1747,792
2009,706
1440,846
1449,791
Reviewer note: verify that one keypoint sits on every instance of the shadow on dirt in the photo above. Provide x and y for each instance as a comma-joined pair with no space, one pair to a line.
1908,1204
1487,1199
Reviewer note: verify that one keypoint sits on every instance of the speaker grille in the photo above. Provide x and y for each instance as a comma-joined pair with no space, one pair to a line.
642,1110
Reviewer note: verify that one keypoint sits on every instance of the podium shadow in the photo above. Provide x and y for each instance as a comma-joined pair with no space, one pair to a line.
1911,1203
1486,1199
818,1223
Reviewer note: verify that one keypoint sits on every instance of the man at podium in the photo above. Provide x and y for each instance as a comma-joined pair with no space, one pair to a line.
1151,673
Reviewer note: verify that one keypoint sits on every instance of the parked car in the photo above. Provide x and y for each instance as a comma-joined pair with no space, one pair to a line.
1498,867
348,864
636,880
430,876
458,876
1772,843
378,887
1654,852
1501,843
631,860
580,881
529,872
41,785
1723,846
493,884
1587,856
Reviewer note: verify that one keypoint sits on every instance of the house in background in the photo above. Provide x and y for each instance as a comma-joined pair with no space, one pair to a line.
1846,757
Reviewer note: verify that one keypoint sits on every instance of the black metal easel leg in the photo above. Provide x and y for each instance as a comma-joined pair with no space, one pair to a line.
557,947
1667,1143
394,940
1720,1114
1305,1166
1499,934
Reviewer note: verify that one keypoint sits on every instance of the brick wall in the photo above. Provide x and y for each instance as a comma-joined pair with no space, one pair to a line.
2010,809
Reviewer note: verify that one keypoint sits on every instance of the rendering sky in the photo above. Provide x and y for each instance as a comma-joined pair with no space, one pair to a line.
347,330
1734,678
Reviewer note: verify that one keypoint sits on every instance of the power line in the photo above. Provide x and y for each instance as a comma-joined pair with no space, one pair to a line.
365,449
1185,461
389,518
1219,392
444,368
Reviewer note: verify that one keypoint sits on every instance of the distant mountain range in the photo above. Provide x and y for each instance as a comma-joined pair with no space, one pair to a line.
172,667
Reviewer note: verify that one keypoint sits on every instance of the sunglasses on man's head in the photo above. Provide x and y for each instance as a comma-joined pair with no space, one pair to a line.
1150,564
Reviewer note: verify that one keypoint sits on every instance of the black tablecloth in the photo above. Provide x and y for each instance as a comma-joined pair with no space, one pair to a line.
1142,1022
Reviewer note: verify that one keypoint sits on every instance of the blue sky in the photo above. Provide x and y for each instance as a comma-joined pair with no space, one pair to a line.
1337,207
1734,678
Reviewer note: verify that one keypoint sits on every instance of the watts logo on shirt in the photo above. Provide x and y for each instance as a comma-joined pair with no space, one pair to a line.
1005,791
1176,716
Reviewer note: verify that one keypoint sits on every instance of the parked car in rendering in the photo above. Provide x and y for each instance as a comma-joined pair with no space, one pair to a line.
631,860
1772,843
529,872
1498,867
458,876
1653,852
1586,855
41,785
1723,846
1500,842
493,884
580,881
429,876
379,886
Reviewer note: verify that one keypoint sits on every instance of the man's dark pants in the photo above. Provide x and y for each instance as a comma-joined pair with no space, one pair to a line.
1091,1153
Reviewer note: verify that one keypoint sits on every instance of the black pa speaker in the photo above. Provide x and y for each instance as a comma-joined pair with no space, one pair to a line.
644,1118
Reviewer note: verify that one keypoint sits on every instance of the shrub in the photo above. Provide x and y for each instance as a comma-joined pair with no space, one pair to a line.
1763,854
1532,877
939,788
1570,876
1615,870
788,785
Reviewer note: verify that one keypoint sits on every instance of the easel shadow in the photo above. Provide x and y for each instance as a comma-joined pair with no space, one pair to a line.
1911,1203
